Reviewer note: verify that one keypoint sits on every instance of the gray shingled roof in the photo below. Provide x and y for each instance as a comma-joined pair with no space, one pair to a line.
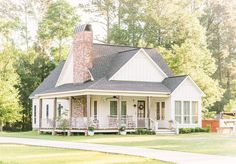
104,84
50,81
173,82
108,59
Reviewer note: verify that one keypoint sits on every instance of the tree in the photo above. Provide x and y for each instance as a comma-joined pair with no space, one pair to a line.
219,20
58,24
174,27
9,101
32,69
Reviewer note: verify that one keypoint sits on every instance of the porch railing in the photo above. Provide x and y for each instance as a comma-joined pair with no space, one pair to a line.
102,122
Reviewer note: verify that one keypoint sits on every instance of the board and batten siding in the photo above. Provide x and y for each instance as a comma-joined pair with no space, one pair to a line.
50,103
187,91
139,68
35,102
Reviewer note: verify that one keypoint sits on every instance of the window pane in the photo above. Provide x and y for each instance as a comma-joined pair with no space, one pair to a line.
158,111
186,112
95,112
47,110
113,108
186,108
178,108
194,108
163,110
194,119
123,108
35,110
59,110
178,119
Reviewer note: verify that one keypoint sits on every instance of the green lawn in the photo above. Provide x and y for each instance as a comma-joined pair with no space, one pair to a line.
208,143
21,154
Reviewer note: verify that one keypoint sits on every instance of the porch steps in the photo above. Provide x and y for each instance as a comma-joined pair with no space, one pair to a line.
165,132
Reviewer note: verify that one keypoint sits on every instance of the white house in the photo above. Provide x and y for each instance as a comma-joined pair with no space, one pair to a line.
107,86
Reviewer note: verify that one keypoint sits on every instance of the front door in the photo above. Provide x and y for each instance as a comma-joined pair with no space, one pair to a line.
141,114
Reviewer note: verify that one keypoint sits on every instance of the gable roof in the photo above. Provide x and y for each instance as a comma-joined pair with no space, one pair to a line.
173,82
107,60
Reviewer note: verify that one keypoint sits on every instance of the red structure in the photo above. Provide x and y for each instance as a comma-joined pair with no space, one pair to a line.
214,124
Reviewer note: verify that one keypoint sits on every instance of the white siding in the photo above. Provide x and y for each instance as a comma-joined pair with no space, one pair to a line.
139,68
153,112
103,108
66,75
35,102
187,91
50,102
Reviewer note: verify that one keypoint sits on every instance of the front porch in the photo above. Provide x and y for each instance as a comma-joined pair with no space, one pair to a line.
105,113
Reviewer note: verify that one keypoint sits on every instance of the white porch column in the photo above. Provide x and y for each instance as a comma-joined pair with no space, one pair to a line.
148,110
119,110
40,114
70,116
54,115
88,103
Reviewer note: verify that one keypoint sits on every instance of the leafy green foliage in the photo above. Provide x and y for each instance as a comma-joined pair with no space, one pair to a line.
59,23
193,130
231,106
9,104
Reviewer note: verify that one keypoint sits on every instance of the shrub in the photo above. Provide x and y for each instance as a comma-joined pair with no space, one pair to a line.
122,128
193,130
143,131
91,128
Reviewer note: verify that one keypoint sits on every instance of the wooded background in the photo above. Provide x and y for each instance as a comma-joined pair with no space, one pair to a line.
196,37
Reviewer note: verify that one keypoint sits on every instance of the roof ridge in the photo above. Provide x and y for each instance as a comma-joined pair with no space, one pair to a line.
177,76
116,45
127,50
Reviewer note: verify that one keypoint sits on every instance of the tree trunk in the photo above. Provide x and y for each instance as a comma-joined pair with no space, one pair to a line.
108,25
59,58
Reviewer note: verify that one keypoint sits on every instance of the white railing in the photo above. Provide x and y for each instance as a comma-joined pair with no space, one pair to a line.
102,122
153,124
175,125
47,123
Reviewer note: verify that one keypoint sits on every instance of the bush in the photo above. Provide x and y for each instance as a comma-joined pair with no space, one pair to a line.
122,128
193,130
143,131
91,128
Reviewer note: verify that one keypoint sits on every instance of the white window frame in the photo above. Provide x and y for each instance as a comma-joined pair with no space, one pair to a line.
161,110
191,115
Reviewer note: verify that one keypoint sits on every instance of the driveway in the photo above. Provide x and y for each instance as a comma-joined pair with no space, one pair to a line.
164,155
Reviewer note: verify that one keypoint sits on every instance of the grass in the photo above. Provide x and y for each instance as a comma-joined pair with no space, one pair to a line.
207,143
21,154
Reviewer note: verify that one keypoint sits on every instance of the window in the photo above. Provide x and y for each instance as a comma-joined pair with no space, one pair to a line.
113,108
95,112
59,110
163,110
186,111
178,112
35,114
194,112
158,111
47,111
123,108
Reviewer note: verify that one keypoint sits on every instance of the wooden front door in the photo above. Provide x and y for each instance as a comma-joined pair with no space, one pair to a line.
141,114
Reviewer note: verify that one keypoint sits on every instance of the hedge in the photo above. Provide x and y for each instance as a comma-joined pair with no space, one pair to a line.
193,130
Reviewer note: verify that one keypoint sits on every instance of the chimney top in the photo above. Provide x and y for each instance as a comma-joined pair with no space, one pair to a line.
84,27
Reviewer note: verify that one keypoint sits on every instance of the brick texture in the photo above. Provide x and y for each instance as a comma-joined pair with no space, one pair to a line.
82,56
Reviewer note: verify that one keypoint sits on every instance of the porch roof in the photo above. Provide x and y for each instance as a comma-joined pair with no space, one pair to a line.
105,85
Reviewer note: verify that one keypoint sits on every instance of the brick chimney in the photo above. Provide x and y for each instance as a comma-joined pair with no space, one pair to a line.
82,53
